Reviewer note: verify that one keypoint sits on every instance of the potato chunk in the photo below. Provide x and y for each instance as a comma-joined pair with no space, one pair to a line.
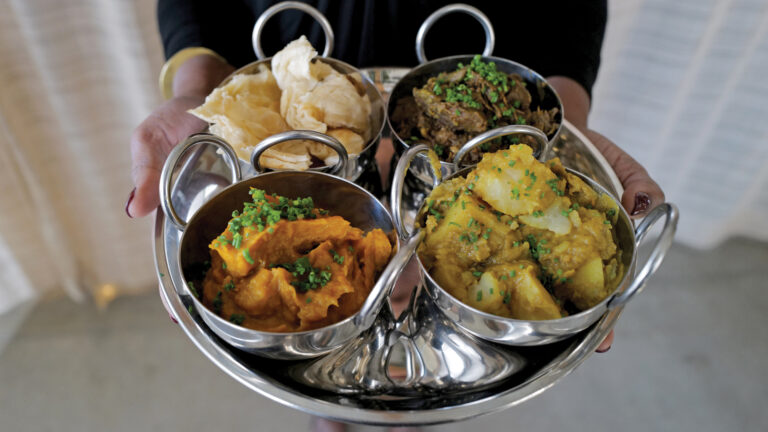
513,291
554,218
514,182
586,287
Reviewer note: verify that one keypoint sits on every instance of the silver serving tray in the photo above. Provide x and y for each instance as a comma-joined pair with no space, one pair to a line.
543,366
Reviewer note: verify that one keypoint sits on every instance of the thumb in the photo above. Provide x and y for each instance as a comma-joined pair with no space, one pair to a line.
641,193
150,144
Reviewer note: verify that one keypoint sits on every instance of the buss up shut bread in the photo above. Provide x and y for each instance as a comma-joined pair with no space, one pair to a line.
298,92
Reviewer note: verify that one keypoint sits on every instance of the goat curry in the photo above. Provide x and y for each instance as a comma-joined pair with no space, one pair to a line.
453,107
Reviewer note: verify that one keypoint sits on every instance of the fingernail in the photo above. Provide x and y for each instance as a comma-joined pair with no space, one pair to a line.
604,351
172,319
642,203
128,203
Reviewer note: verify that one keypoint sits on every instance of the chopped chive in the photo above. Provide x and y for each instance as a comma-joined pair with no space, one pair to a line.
247,257
192,289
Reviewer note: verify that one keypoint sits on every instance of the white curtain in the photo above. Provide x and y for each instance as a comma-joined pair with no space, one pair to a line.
75,78
684,88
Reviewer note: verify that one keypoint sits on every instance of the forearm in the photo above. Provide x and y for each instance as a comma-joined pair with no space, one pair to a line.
575,100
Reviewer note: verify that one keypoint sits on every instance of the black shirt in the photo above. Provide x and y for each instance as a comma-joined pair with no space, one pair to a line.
551,37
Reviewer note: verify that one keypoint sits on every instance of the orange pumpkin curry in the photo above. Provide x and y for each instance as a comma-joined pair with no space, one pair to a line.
283,265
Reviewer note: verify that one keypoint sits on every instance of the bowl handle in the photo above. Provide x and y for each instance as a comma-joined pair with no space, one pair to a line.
541,153
386,281
398,181
490,36
265,144
316,14
670,213
174,157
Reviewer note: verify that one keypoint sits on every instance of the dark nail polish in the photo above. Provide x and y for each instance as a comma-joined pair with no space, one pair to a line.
642,203
172,319
605,350
128,203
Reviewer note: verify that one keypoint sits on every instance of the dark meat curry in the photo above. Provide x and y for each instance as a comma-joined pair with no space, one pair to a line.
454,107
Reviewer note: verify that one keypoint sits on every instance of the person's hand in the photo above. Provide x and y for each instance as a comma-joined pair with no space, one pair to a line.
150,144
641,192
166,126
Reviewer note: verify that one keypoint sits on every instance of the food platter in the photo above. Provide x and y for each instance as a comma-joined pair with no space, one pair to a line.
543,366
421,367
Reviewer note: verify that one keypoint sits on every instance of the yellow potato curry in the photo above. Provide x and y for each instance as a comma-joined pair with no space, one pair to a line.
522,239
283,265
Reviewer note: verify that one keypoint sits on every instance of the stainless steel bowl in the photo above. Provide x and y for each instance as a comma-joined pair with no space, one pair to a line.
341,197
542,94
365,160
529,333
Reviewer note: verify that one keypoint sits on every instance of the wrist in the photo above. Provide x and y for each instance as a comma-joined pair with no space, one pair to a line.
574,98
193,71
199,75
